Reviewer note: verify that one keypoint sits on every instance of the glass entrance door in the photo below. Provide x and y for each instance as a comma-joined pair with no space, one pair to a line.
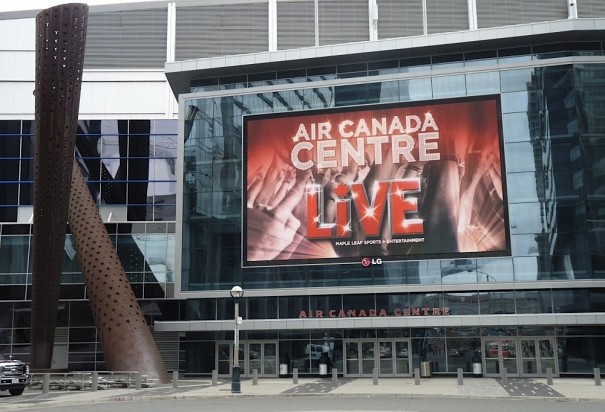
500,353
394,357
360,357
538,354
529,357
390,356
262,356
224,358
547,356
523,356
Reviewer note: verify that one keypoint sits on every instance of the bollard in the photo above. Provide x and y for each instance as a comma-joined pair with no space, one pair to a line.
375,376
504,375
214,377
95,381
549,376
416,376
255,377
175,379
295,376
597,376
46,383
138,381
334,375
460,376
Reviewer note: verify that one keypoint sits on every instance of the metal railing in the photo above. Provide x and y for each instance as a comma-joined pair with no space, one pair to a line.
75,381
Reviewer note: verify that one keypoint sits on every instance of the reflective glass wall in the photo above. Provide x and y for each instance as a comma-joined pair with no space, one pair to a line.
553,133
130,166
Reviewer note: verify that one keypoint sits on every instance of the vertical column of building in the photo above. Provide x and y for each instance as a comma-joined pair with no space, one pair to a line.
60,42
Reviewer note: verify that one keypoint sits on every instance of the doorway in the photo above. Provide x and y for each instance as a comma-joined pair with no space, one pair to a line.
259,355
392,357
521,356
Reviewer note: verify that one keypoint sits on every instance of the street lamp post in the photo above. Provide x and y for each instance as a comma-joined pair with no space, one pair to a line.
236,293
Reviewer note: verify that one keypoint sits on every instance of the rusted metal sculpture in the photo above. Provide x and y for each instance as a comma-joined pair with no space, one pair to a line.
61,195
126,339
60,41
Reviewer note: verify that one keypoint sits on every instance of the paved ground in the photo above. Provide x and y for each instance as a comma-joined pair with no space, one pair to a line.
485,388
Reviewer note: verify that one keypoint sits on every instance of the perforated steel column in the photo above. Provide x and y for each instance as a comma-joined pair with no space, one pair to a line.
126,339
60,41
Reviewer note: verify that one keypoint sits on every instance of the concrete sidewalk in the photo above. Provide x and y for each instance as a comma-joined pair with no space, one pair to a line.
562,388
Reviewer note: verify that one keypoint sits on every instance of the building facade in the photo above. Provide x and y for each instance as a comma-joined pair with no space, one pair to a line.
174,182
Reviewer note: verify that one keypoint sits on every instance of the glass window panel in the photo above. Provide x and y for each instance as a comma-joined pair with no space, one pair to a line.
570,300
424,272
426,300
82,335
460,353
359,302
262,308
390,273
14,254
391,302
389,91
226,308
351,276
562,123
576,355
534,301
130,253
351,95
291,306
482,83
597,300
514,102
323,276
326,303
523,187
527,270
80,314
325,97
415,89
520,157
526,218
515,127
497,302
524,245
200,309
449,86
462,303
459,271
515,80
569,183
287,100
494,270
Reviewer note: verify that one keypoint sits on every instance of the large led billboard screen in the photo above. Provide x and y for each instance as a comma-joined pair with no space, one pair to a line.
391,182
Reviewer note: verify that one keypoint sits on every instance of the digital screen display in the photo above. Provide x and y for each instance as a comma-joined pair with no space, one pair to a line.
375,183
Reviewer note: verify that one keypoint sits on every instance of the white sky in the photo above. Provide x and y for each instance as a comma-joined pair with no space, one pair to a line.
10,5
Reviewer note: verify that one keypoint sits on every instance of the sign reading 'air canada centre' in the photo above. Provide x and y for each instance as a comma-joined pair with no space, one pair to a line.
375,183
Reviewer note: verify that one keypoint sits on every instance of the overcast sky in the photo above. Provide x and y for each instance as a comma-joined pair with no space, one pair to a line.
10,5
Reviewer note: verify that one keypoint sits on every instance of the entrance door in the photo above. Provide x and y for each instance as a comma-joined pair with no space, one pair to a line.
523,356
538,354
394,357
224,358
390,356
262,356
500,352
360,357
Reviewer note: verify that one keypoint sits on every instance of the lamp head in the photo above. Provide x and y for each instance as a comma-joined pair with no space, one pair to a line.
237,292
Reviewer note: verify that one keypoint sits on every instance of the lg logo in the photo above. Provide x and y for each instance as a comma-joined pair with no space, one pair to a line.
366,261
